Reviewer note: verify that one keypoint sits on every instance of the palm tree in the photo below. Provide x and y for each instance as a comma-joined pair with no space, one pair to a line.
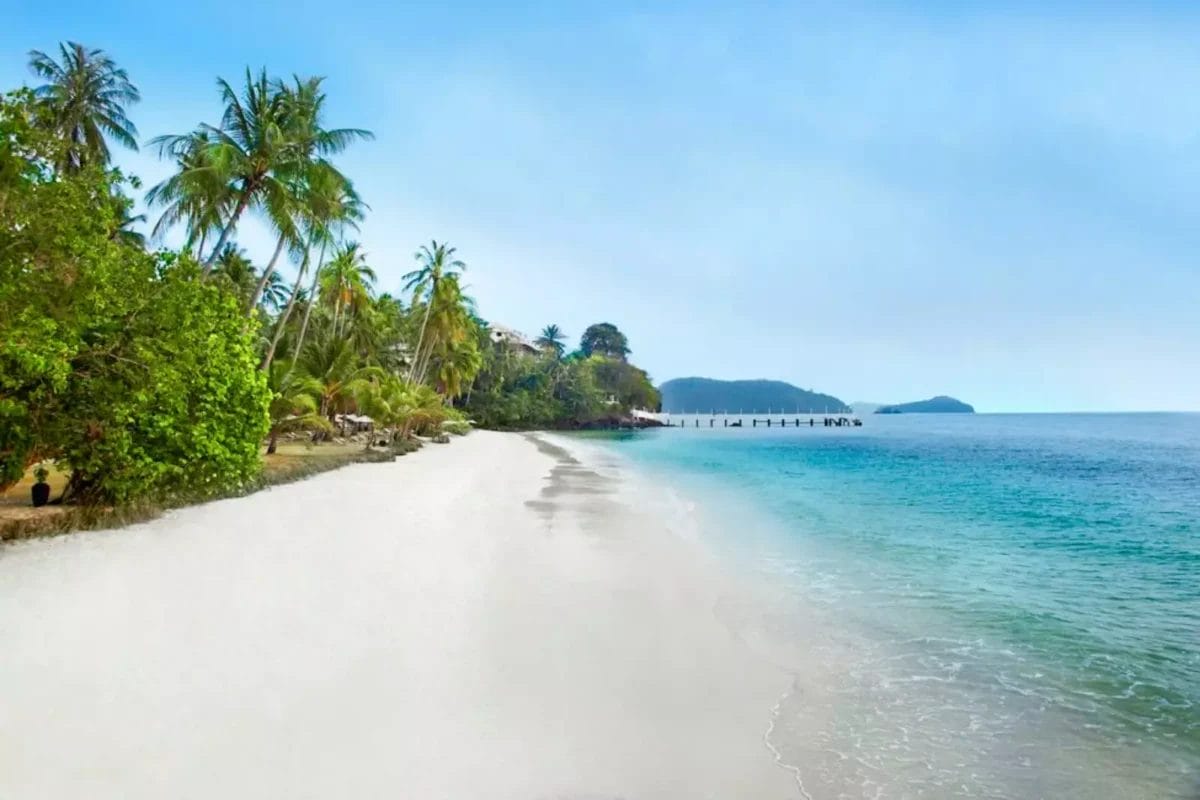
388,328
333,207
335,367
283,212
325,190
233,265
428,409
274,294
302,112
84,99
388,401
346,282
552,340
304,104
196,195
393,402
450,324
293,404
436,262
305,110
268,135
247,152
460,363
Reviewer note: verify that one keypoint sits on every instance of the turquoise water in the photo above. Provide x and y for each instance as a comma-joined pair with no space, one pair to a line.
975,606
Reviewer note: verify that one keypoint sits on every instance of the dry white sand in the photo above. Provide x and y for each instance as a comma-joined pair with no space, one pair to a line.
487,619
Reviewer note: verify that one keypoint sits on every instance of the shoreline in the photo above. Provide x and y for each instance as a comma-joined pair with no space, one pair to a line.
495,617
898,693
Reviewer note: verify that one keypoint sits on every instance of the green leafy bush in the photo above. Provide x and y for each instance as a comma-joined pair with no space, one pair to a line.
516,390
126,367
456,427
175,403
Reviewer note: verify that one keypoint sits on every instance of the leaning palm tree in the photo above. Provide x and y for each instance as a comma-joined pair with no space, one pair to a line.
84,101
436,262
334,207
304,103
247,151
196,195
320,189
283,215
552,340
346,283
302,111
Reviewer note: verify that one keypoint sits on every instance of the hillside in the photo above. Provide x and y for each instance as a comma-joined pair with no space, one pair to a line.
683,395
934,405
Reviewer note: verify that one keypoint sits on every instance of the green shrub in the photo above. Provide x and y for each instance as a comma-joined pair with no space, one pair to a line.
175,403
456,427
125,366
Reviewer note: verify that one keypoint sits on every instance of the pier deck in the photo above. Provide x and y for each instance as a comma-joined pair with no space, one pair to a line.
722,419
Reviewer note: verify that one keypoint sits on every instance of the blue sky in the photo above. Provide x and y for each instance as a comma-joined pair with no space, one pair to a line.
881,201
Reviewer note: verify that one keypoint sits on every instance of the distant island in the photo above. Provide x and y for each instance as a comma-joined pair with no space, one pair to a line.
934,405
687,395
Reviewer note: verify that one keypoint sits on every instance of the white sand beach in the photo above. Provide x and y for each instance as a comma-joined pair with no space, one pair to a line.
487,619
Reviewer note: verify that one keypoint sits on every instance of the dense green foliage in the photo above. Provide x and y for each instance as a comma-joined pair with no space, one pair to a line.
934,405
148,373
604,339
113,360
689,395
515,389
593,386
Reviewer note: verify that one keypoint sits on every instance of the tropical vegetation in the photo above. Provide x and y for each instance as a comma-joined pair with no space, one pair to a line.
146,370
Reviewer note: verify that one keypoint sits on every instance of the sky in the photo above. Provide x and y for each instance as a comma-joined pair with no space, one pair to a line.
999,202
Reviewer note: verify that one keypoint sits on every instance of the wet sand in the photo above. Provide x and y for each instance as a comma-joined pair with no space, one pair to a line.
493,618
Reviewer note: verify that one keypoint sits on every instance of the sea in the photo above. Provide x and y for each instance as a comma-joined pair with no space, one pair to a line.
972,606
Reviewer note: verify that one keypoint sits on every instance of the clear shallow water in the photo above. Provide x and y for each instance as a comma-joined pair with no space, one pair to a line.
986,606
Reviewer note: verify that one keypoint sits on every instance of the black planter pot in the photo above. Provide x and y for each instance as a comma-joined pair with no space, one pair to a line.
41,494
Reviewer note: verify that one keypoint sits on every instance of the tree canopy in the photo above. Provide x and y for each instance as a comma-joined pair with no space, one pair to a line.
83,104
604,339
113,360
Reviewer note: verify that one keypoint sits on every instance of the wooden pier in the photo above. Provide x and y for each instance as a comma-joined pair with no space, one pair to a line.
724,419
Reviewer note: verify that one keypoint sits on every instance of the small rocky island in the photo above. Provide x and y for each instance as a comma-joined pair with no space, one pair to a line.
934,405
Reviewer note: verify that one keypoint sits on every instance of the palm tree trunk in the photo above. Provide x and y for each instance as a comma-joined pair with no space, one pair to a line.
312,299
272,442
423,367
243,201
266,276
412,368
200,248
287,312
